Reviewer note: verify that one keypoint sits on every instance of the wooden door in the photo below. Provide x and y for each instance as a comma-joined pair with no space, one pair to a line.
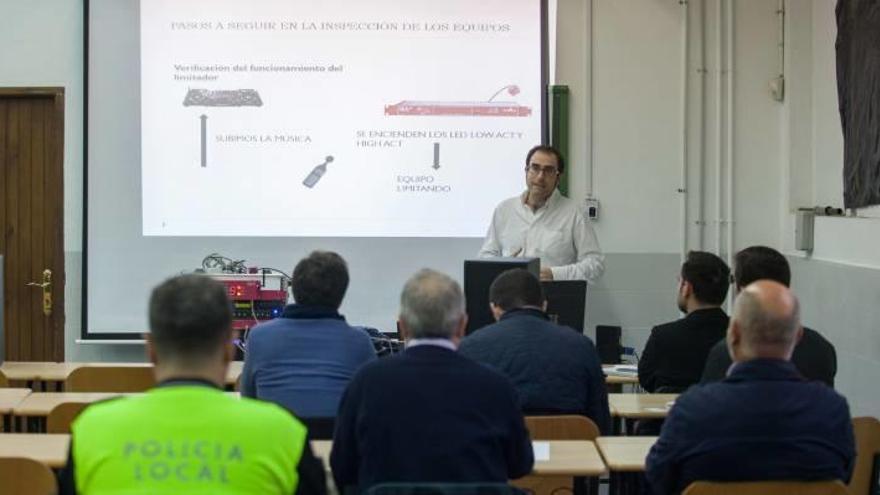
32,222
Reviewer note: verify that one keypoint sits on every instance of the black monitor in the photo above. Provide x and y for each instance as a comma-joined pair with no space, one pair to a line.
565,302
479,275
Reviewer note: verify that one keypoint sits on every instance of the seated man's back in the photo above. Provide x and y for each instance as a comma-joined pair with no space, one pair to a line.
675,354
762,423
304,363
186,435
188,438
813,356
554,369
305,358
429,414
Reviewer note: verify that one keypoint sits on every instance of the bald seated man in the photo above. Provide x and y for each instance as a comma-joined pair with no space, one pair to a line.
763,421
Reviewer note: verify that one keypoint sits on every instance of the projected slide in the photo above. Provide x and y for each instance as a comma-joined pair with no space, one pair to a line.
363,118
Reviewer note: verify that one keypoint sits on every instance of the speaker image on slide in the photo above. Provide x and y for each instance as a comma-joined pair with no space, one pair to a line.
478,276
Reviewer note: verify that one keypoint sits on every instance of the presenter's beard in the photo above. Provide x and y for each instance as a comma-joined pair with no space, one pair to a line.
539,192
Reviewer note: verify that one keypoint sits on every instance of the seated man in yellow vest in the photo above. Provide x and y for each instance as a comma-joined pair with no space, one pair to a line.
187,435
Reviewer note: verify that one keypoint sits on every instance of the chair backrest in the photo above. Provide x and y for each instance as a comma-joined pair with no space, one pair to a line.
566,427
62,415
864,478
767,488
28,476
111,379
3,381
443,489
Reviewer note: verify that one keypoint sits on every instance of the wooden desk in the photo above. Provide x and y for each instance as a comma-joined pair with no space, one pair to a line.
571,458
640,406
51,450
619,380
45,372
625,458
627,408
41,403
9,398
567,458
625,454
37,371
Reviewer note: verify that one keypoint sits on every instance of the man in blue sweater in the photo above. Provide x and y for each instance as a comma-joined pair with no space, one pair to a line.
554,369
304,359
429,414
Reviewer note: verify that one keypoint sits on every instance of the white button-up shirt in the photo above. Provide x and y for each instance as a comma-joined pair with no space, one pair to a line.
558,233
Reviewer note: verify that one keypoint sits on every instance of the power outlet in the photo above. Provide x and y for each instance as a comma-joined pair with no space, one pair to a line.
591,208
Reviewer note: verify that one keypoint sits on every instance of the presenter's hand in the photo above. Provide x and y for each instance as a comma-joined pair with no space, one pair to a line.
546,273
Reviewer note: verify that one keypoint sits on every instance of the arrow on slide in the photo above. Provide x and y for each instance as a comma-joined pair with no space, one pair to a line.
204,119
436,165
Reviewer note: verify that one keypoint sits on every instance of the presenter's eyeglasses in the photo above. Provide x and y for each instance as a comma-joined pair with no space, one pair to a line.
536,170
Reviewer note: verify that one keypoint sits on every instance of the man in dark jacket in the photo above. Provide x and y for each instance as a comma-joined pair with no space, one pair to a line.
813,355
762,422
429,414
555,370
675,353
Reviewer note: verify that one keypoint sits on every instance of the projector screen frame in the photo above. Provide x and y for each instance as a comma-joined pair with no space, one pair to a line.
131,337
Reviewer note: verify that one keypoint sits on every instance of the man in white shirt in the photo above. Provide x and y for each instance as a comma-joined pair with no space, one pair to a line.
544,224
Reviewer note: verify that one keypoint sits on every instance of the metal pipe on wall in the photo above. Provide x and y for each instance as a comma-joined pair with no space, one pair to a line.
591,9
701,129
719,23
730,131
685,76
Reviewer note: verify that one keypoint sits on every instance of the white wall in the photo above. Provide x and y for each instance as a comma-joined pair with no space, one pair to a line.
43,46
839,282
636,134
626,125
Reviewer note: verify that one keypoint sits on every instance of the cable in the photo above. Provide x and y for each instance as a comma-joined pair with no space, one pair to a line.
254,314
227,265
286,280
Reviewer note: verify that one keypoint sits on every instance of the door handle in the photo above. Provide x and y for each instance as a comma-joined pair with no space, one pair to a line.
46,285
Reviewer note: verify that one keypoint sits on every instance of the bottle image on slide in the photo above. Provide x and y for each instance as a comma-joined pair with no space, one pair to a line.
317,173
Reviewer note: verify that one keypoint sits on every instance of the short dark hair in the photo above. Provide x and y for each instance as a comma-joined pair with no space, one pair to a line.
516,288
560,162
708,274
190,317
760,263
320,279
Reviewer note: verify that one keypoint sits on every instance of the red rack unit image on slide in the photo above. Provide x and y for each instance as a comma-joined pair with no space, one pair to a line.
487,108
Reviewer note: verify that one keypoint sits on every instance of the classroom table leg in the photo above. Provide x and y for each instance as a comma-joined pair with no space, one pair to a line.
631,483
34,424
585,485
613,483
594,486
